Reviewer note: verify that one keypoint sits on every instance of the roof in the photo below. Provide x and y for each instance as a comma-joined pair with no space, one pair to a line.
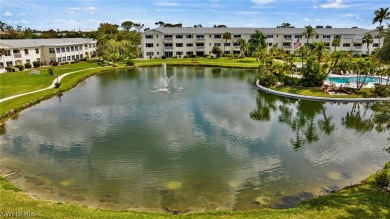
27,43
288,31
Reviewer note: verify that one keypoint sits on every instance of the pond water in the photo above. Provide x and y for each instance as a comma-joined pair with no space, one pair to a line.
210,140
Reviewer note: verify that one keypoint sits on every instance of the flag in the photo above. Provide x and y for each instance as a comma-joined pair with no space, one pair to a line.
296,44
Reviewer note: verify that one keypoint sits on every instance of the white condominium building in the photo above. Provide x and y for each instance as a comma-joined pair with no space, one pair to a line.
20,52
182,41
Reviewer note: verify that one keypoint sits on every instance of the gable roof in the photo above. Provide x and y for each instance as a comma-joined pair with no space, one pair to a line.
28,43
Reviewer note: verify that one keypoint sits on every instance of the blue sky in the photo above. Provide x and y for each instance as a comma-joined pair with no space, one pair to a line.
87,14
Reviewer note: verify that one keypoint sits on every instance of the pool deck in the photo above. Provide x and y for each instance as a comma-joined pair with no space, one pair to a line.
325,99
352,84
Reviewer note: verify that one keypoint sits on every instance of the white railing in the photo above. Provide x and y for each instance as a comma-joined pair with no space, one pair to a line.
326,39
237,48
287,47
168,39
17,55
200,47
287,39
168,48
200,39
358,47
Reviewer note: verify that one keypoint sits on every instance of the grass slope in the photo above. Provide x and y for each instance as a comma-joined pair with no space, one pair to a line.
364,200
220,62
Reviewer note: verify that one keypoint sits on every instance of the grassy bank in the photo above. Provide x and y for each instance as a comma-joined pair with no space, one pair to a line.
13,83
363,200
317,92
220,62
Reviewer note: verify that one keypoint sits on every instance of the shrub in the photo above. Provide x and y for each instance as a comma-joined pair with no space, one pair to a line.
205,56
186,56
288,80
10,69
267,79
20,67
27,65
129,63
163,57
51,72
382,178
36,64
382,90
54,63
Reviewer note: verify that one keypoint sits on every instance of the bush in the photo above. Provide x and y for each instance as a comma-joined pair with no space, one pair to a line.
186,56
205,56
163,57
10,69
36,64
382,90
51,72
20,67
382,179
267,79
289,81
129,63
54,63
27,65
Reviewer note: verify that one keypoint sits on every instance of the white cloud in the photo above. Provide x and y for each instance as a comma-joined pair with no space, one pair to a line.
90,10
334,4
7,14
318,19
22,14
262,2
306,19
73,10
167,4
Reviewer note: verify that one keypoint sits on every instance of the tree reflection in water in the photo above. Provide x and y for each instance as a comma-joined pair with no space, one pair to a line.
300,115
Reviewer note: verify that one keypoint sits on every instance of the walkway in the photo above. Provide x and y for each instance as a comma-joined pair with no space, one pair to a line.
327,99
50,87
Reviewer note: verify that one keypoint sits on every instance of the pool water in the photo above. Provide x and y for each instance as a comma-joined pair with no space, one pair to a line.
344,80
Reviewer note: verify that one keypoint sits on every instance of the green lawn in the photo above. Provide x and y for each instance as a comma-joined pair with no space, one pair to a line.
317,92
364,200
221,62
22,82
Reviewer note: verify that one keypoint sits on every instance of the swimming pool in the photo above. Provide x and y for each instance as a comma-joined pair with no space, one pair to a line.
344,80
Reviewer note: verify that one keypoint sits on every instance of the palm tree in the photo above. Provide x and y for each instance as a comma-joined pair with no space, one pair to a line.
335,56
2,26
243,45
257,41
335,43
308,33
380,15
319,48
226,36
368,39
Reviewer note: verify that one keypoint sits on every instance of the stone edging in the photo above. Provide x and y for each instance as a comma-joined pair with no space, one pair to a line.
330,99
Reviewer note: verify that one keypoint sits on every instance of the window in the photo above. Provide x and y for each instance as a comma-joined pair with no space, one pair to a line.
7,52
72,48
227,44
9,63
76,48
36,51
236,44
217,36
326,36
158,53
297,36
346,45
189,44
179,36
38,59
317,36
167,36
67,49
270,36
375,45
149,53
68,58
59,59
149,45
190,36
1,65
81,47
287,36
77,57
217,44
227,52
90,46
73,57
199,36
58,50
189,53
179,44
148,36
237,36
327,44
62,49
357,44
94,45
179,53
27,60
200,44
81,56
51,50
26,51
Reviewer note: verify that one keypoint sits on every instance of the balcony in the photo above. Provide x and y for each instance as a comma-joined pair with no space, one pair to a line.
200,39
237,48
200,47
358,47
287,39
357,40
287,47
168,48
326,39
168,40
17,55
269,40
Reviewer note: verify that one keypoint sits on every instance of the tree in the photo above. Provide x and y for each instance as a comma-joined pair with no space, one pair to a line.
107,28
244,46
319,49
226,36
380,15
159,23
336,43
2,26
384,52
198,25
368,39
139,26
257,41
308,33
217,51
220,26
127,25
285,25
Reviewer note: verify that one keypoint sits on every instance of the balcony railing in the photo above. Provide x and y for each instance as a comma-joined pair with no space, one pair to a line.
200,47
17,55
287,47
168,39
237,48
358,47
200,39
287,38
326,39
166,48
357,39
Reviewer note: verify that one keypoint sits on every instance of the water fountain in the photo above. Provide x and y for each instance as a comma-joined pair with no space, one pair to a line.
164,82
